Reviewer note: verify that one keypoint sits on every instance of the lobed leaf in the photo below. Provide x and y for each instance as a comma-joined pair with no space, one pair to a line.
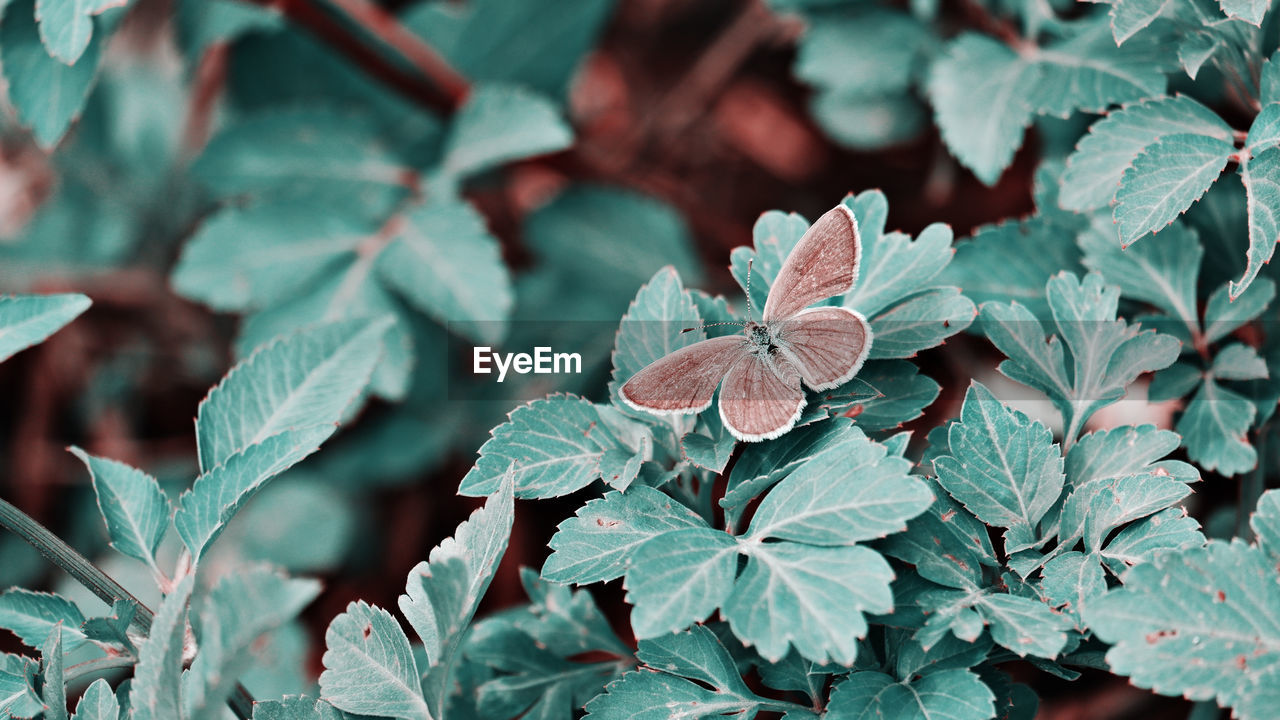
132,504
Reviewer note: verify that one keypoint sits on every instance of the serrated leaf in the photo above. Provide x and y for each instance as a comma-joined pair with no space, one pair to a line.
1199,623
369,667
98,703
1166,178
812,598
1130,16
1024,625
1238,362
956,694
443,593
1214,427
773,237
1071,581
1170,529
47,93
53,693
1086,71
26,320
597,544
500,123
679,578
17,694
651,329
1095,169
848,493
1196,49
1261,176
1012,261
1224,314
898,394
555,444
893,266
1265,522
1250,11
925,320
217,495
305,379
946,544
1123,451
132,504
1162,273
158,675
709,447
239,610
1002,466
66,25
32,615
445,262
296,707
112,629
253,257
1094,510
979,88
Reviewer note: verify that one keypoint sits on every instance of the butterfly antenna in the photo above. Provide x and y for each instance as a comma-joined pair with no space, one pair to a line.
707,325
750,318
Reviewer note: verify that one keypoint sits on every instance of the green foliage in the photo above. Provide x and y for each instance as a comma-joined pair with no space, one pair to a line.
27,320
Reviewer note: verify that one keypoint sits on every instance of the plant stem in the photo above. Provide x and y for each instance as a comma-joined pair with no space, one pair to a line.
97,665
58,552
1252,486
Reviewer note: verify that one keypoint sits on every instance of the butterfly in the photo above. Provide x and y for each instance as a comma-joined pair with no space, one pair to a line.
760,372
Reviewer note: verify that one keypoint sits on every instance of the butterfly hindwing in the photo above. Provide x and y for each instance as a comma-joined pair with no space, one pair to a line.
827,344
761,398
824,263
684,381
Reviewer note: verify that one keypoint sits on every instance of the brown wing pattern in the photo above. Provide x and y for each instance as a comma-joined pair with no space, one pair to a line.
761,398
684,381
827,344
823,263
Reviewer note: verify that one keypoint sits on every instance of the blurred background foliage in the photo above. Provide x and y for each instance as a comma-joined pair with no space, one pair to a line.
214,172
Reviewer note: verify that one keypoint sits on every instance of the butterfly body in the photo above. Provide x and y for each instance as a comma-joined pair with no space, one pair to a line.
762,372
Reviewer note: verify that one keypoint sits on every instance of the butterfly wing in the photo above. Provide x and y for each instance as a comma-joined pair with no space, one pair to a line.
684,381
761,398
823,263
827,344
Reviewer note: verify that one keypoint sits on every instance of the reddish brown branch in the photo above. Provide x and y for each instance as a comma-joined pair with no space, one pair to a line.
429,85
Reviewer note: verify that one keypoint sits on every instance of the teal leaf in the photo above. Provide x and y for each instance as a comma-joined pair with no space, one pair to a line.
555,443
710,446
1261,176
1164,181
98,703
158,674
979,88
305,379
445,262
1002,466
53,694
1095,169
1093,510
1196,49
1214,427
1224,314
1023,625
32,616
1266,522
26,320
443,593
773,237
199,24
17,679
66,25
239,611
217,495
812,598
1161,273
1250,11
1198,623
597,543
1088,72
1238,362
47,93
956,694
1138,543
946,544
925,320
499,124
651,329
296,707
875,52
848,493
1123,451
112,629
619,468
369,668
899,393
132,504
1130,16
893,266
1264,131
679,578
1071,580
1012,261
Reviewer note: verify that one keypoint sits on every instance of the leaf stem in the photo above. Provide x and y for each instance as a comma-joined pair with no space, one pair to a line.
1252,486
98,665
58,552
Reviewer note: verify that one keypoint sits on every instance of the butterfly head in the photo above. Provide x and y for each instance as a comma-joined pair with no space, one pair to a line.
760,336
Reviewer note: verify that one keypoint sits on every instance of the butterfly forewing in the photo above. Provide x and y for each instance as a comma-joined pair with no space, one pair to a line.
685,381
823,263
761,398
827,344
